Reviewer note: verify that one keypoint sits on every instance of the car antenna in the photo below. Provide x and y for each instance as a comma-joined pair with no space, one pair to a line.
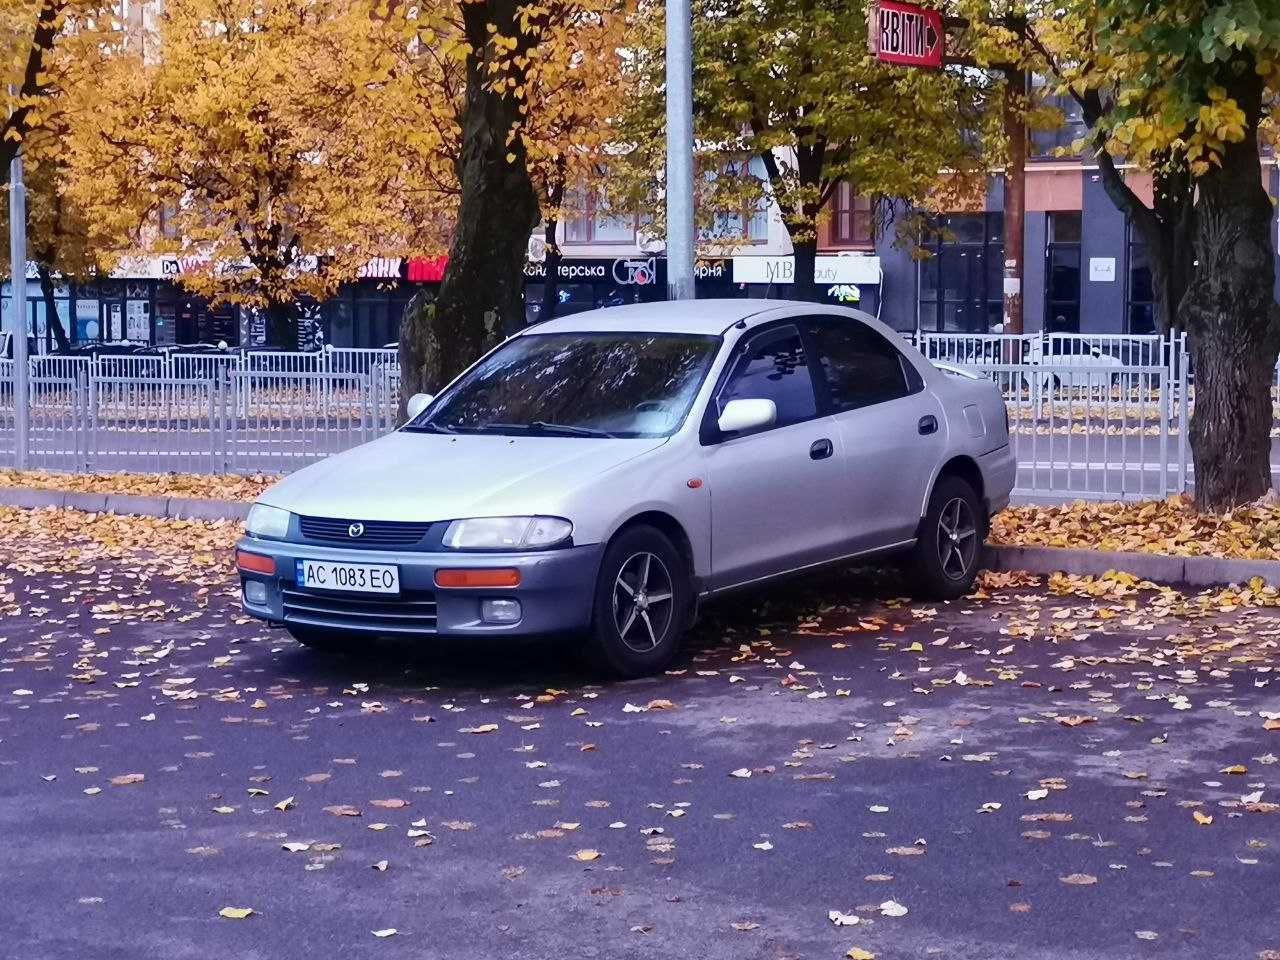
741,324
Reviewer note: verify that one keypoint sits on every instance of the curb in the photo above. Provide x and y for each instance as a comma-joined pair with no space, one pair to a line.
171,508
1158,568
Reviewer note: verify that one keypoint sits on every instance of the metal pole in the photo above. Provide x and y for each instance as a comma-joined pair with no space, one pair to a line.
680,240
18,328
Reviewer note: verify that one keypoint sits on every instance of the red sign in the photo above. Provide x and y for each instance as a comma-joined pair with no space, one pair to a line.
906,34
427,269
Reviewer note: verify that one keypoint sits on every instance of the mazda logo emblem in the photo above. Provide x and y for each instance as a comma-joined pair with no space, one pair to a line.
355,530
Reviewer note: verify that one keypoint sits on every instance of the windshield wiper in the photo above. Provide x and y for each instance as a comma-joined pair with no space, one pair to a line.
542,426
428,427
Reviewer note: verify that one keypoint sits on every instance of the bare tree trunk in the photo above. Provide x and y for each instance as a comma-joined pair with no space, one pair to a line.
282,325
53,323
482,295
804,286
551,286
1233,321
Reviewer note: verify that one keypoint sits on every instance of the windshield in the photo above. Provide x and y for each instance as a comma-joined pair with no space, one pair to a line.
577,384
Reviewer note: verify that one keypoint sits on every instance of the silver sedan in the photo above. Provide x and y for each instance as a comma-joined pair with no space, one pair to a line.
604,473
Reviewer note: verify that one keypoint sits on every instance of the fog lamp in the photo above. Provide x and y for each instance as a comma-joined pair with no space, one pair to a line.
500,611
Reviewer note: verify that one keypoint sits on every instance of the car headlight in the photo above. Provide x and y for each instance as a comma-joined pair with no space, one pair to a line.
267,521
507,533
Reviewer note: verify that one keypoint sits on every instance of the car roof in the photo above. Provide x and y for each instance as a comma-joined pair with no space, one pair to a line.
667,316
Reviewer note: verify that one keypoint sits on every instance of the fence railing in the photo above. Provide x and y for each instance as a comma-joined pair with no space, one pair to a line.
203,413
1096,416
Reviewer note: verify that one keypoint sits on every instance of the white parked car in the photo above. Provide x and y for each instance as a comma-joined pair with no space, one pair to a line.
604,473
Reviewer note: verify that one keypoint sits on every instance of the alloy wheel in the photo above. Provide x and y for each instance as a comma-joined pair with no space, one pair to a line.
643,602
957,538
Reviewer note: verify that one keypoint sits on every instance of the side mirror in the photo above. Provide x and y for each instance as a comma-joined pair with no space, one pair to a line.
740,415
417,403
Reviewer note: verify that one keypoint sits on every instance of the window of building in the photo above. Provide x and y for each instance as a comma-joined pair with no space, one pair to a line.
962,278
168,229
774,367
1141,312
859,367
596,223
852,217
1057,143
749,224
1062,273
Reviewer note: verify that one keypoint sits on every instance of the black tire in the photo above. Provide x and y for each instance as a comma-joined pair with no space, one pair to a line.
318,638
943,566
636,623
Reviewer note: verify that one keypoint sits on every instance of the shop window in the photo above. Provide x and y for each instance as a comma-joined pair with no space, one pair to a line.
1141,312
1062,273
962,278
852,218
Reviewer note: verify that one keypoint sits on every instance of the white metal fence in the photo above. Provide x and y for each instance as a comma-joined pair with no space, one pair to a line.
202,413
1099,416
1096,416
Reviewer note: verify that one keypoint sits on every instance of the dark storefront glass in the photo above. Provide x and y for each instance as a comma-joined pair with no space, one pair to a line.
1141,305
1062,273
962,283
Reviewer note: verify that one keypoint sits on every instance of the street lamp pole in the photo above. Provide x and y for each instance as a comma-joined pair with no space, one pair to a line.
18,326
680,240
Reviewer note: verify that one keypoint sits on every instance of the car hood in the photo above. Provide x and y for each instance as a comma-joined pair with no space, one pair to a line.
428,476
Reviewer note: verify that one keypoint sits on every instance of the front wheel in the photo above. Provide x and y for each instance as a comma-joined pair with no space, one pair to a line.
642,601
945,561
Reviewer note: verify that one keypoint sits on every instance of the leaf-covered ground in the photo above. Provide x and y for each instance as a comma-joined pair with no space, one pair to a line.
1078,768
1169,526
194,485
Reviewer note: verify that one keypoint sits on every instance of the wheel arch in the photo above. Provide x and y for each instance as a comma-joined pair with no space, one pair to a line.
965,468
669,526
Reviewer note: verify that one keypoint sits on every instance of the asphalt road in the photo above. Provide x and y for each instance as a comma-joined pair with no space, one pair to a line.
147,735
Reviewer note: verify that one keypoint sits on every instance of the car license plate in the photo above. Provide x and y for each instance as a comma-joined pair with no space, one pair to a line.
354,577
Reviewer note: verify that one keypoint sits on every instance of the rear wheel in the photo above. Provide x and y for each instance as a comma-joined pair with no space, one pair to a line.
947,554
318,638
642,602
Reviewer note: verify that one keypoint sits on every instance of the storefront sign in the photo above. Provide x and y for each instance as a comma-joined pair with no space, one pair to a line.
827,270
427,269
1102,269
381,268
906,34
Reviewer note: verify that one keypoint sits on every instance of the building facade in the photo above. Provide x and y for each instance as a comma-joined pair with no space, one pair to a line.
1085,271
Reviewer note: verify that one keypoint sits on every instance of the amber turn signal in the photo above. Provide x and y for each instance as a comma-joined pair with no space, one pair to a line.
255,562
494,577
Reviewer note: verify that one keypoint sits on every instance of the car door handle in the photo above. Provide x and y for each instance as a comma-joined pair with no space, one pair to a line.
928,425
821,449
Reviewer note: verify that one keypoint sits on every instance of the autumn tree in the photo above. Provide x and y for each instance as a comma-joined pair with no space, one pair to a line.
572,130
795,85
278,138
50,46
1185,91
516,109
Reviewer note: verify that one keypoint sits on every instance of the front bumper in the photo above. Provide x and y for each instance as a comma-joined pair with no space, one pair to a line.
556,591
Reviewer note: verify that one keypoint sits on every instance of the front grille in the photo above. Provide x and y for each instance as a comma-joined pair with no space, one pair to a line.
377,534
411,612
